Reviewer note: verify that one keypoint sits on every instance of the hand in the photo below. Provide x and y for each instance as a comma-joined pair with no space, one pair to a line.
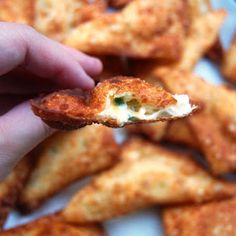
52,65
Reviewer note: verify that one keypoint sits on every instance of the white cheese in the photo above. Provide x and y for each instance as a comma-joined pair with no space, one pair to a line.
124,114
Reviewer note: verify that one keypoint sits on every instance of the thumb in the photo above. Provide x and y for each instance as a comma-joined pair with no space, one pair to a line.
20,132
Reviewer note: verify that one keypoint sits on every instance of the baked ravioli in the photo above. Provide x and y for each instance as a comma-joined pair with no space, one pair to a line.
147,175
114,102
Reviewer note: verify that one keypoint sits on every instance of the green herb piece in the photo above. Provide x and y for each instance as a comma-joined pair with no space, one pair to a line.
132,118
119,101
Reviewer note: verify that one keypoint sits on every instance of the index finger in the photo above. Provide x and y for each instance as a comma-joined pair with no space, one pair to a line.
20,45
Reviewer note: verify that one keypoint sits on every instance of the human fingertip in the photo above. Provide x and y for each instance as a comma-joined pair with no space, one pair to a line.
92,65
89,84
98,66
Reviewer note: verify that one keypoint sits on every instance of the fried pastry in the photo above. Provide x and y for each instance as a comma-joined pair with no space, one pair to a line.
66,157
154,131
216,218
11,187
123,33
176,131
229,63
52,18
147,175
52,225
57,18
213,125
204,30
179,132
114,102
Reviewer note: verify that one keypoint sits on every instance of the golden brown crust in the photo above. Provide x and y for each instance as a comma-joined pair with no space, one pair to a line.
147,175
53,225
214,125
153,131
229,62
204,29
17,11
179,132
11,187
66,157
212,219
122,33
57,18
43,15
75,109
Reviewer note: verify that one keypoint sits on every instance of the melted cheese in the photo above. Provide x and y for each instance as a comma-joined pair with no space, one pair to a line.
124,114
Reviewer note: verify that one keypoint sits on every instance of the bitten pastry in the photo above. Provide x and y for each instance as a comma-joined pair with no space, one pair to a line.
66,157
147,175
114,102
52,225
212,219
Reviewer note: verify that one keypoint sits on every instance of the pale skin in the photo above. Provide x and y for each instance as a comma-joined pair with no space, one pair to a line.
52,65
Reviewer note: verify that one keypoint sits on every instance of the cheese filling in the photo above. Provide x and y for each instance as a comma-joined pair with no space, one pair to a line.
126,109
